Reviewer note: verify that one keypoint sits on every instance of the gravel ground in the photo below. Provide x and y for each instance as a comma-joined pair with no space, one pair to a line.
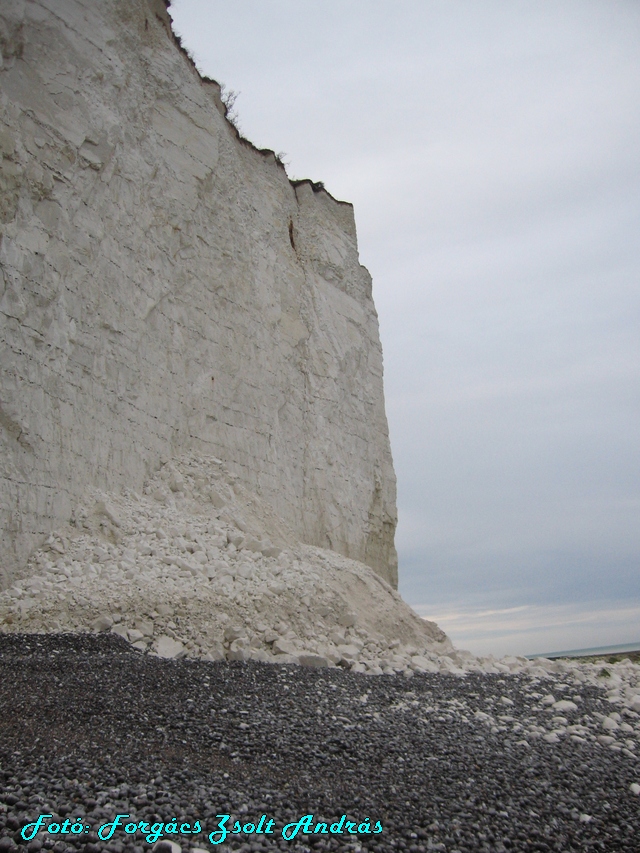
90,728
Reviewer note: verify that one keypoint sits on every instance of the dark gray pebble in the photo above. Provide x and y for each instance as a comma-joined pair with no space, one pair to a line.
90,728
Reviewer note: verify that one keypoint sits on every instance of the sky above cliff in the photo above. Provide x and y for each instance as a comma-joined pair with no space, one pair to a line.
492,152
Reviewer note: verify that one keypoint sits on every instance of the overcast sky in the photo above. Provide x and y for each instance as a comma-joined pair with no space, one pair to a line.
492,151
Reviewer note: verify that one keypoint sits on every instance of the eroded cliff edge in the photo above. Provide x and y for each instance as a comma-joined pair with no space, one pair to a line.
166,289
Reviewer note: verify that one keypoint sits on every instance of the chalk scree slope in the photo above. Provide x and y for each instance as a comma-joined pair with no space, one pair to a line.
198,566
165,289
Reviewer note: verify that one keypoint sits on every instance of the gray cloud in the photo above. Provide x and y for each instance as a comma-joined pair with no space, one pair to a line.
492,152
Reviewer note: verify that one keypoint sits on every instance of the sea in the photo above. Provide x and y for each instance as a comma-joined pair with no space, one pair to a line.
598,650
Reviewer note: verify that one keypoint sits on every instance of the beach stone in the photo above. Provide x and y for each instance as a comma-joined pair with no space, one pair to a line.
565,705
312,660
607,740
166,846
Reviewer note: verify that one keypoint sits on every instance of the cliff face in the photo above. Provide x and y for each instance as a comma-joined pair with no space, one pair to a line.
165,289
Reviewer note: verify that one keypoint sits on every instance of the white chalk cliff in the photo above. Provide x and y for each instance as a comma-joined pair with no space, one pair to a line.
166,289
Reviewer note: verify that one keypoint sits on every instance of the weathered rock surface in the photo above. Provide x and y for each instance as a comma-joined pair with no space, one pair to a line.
165,289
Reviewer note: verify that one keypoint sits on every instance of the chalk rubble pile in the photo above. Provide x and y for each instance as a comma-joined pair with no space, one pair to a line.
199,567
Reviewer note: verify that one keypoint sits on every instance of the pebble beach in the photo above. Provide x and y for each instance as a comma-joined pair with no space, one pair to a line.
91,728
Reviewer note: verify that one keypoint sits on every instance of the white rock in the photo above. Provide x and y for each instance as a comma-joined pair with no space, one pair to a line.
167,647
423,664
102,623
349,652
246,571
233,632
214,653
106,509
241,654
260,655
270,551
284,647
448,665
635,788
549,699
